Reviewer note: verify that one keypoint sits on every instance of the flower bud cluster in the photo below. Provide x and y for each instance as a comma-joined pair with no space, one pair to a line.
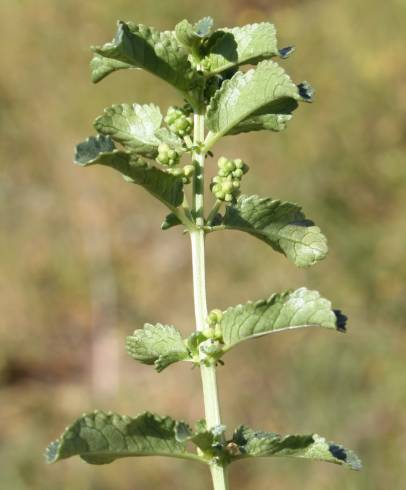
167,156
179,121
185,172
226,184
213,320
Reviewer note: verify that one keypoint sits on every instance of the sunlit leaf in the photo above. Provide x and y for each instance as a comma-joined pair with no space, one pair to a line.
140,46
101,438
101,150
282,225
267,89
262,444
132,125
158,344
289,310
249,44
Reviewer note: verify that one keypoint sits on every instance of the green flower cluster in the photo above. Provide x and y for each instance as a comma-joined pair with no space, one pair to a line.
213,320
167,156
170,158
185,172
179,121
226,184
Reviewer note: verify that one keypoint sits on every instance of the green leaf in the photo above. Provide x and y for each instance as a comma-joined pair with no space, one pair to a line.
202,438
158,344
297,309
159,53
270,122
282,225
249,44
164,135
263,444
191,36
101,438
100,67
101,150
266,89
132,125
170,221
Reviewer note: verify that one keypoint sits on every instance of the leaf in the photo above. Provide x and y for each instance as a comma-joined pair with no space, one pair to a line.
266,89
272,122
101,150
170,221
100,67
263,444
101,438
132,125
144,47
191,36
164,135
297,309
158,344
249,44
202,438
282,225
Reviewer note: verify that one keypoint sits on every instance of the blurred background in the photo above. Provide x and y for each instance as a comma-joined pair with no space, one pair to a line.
83,261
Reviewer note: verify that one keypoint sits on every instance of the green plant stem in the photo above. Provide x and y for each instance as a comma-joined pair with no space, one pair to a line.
208,373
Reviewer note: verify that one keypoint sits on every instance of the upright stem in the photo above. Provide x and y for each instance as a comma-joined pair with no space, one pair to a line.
208,373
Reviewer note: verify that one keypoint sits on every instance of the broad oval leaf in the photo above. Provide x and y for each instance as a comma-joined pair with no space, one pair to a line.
249,44
289,310
262,444
101,150
132,125
282,225
267,89
139,46
158,344
101,438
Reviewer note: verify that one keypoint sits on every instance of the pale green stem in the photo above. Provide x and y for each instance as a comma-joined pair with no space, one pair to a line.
198,176
208,373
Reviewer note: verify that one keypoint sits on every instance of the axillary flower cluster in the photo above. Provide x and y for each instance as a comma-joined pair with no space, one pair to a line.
164,154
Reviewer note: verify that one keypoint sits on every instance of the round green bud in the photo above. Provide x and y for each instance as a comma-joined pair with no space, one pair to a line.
163,148
188,170
228,197
238,173
227,187
222,161
236,184
218,334
177,172
238,163
230,166
208,333
214,316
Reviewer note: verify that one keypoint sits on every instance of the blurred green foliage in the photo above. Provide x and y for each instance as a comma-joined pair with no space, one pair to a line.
83,261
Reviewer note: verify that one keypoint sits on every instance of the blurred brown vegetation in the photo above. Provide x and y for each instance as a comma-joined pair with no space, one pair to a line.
83,261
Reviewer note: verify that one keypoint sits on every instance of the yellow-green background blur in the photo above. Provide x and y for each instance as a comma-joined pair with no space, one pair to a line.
83,261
